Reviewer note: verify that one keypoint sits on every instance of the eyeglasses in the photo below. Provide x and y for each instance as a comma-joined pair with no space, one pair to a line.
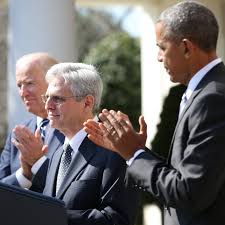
56,99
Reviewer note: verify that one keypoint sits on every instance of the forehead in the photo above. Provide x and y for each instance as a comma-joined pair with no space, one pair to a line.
159,30
29,70
58,85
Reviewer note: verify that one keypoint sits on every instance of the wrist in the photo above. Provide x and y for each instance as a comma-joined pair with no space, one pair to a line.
27,173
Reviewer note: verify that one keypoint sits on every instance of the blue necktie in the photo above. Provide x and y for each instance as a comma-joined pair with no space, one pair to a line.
64,165
42,127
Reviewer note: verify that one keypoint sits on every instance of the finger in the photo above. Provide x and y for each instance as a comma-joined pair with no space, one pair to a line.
123,122
26,132
117,122
19,146
104,119
125,118
123,115
113,119
95,139
37,135
92,127
104,131
20,135
143,125
45,149
91,124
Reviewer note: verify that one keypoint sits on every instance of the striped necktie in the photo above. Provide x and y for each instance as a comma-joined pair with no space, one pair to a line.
42,127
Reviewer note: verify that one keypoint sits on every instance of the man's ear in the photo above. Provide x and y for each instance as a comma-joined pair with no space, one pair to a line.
188,48
89,101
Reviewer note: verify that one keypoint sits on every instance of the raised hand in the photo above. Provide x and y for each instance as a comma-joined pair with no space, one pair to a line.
96,135
30,145
115,132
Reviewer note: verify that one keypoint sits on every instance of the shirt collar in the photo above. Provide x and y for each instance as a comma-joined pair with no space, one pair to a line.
199,76
39,120
76,140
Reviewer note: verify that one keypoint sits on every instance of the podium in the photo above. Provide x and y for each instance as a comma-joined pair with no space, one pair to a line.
25,207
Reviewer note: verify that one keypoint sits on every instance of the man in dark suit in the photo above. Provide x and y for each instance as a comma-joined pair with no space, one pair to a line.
89,179
191,183
30,79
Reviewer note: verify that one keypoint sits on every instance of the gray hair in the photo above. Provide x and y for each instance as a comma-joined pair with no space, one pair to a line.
41,60
193,21
83,80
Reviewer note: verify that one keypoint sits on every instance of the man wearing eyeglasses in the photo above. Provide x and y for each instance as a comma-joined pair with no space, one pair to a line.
88,178
30,79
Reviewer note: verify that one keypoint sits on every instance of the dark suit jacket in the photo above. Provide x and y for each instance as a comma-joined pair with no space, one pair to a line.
9,161
191,184
93,189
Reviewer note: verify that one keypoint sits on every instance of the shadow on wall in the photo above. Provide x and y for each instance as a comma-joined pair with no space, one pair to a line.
168,120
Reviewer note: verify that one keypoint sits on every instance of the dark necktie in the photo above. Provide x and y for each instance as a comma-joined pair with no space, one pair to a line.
42,127
63,166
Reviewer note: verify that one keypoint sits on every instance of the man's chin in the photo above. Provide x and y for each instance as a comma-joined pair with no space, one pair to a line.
53,124
30,109
172,79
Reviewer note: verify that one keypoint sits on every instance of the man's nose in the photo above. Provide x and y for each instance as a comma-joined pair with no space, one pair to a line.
49,104
160,56
23,91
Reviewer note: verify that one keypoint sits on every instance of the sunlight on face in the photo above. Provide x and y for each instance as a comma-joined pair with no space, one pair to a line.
66,115
31,84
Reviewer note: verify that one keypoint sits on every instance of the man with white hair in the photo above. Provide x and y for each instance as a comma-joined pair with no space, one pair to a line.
30,80
88,178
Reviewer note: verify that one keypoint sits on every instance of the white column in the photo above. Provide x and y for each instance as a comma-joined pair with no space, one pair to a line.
155,82
43,25
218,8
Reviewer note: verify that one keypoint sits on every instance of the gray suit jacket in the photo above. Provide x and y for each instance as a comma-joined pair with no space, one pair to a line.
191,184
9,161
93,189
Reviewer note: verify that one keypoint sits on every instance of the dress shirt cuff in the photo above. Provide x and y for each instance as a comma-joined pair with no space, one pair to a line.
22,180
37,165
136,154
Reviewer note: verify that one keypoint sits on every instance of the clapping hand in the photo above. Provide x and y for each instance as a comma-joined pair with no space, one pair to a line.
30,145
115,132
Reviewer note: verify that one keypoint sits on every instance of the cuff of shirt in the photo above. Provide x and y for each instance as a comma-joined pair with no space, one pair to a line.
22,180
136,154
38,164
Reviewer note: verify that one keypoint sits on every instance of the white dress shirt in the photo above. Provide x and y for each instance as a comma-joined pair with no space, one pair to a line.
76,141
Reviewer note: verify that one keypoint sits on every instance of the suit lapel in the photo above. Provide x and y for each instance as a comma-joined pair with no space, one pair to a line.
54,139
33,124
187,106
52,173
214,74
79,162
210,76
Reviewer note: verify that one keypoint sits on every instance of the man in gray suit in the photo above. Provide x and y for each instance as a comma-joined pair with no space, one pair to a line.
89,179
191,183
30,79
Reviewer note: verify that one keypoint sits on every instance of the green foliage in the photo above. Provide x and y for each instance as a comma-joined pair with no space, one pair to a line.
117,57
91,27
